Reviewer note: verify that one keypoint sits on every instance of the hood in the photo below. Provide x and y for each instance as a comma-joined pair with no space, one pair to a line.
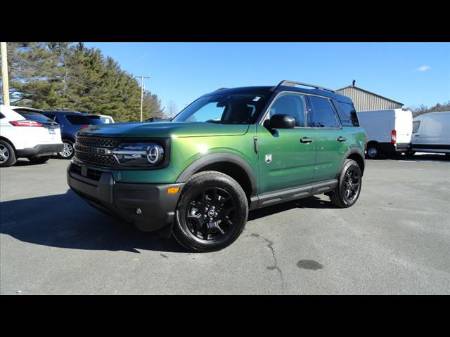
165,129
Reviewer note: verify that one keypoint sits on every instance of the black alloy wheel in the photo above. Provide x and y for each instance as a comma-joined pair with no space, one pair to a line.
211,212
349,185
352,184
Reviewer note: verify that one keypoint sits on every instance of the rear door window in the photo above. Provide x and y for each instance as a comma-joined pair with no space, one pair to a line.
322,113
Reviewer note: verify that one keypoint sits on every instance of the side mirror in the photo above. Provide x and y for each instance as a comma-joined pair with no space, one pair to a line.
282,122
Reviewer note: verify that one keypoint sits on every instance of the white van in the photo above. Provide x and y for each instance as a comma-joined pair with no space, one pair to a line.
388,131
431,132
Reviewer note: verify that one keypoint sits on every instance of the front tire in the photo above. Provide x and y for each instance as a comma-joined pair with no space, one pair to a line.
211,213
7,154
349,186
67,151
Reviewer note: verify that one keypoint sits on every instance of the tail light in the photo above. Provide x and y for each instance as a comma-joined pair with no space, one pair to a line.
393,137
25,123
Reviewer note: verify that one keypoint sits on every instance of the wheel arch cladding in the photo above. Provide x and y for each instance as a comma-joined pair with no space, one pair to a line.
358,158
229,164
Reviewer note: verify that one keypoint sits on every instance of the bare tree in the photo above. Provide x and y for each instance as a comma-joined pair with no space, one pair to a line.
171,109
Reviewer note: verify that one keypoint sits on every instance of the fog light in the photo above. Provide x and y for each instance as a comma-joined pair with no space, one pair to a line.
173,190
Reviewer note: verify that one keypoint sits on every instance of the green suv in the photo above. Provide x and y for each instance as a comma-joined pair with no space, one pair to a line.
229,152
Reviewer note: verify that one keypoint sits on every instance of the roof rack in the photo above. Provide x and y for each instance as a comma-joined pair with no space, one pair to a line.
294,84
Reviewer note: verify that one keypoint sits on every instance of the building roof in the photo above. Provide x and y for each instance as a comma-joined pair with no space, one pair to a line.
370,93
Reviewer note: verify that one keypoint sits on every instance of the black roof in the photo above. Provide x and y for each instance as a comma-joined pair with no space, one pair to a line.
279,88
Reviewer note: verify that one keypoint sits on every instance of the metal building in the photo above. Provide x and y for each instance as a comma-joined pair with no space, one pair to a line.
365,100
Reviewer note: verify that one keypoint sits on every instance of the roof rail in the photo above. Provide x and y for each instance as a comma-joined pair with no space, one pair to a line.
221,89
294,84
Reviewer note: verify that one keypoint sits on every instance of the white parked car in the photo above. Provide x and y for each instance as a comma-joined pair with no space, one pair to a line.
26,138
388,131
431,133
106,119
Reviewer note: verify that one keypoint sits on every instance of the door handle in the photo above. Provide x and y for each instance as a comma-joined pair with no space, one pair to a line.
341,139
305,140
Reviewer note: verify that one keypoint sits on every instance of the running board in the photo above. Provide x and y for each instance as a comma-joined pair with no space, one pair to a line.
276,197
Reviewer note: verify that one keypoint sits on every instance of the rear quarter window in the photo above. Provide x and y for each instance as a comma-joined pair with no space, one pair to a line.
416,125
347,114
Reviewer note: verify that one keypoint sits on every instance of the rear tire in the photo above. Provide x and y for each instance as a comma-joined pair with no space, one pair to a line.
373,151
68,150
410,154
39,160
7,154
211,213
349,186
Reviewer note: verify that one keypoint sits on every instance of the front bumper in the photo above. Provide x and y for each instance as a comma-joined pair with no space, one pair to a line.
40,150
148,206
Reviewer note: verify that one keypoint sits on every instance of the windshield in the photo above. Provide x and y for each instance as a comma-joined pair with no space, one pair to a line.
224,109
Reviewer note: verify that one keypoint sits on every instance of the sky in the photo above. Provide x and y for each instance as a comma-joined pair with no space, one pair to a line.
412,73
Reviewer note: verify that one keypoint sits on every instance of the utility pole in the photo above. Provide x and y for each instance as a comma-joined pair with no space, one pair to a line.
5,79
142,92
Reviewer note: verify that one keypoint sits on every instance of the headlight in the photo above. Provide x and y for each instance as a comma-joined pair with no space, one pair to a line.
139,154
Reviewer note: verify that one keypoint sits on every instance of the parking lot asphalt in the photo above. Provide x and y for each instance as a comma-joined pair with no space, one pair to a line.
395,240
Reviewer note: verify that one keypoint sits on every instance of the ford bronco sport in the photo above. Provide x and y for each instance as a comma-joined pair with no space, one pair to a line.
228,152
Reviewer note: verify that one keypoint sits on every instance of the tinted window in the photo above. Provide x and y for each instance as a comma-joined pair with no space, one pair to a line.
34,116
293,105
95,120
347,114
322,114
1,115
78,119
416,125
51,116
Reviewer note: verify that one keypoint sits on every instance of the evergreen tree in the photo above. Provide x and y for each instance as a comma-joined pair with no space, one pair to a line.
63,75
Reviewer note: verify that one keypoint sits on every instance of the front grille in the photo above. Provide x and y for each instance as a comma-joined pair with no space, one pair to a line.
93,150
98,141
